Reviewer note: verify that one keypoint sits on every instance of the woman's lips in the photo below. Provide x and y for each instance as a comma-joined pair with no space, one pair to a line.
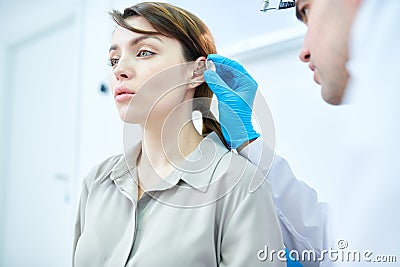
123,97
122,94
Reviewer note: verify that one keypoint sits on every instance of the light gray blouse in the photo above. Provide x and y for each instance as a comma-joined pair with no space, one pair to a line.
213,210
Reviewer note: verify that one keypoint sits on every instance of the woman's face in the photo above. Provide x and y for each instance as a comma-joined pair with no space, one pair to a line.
143,78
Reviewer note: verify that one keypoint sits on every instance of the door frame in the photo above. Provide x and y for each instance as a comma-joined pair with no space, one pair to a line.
31,27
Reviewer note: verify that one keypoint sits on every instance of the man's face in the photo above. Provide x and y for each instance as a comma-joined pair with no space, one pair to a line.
325,46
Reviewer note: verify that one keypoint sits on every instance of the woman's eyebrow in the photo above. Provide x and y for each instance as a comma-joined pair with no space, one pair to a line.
144,37
137,40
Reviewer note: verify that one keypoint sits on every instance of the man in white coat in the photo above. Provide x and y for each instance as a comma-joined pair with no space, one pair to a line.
372,155
368,82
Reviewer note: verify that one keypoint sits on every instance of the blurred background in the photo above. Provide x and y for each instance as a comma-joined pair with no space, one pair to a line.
57,115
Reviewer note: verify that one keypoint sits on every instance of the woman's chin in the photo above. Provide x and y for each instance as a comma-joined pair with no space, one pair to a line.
130,118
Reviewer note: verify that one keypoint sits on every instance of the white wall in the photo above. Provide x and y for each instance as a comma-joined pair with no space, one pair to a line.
25,26
100,126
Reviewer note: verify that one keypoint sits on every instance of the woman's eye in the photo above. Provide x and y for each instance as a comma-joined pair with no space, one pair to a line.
145,53
113,61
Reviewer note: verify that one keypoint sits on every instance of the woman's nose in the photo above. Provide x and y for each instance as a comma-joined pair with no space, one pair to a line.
123,70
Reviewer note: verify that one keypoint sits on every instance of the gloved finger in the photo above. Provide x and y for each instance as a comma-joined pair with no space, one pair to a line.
227,61
217,84
223,92
224,61
235,76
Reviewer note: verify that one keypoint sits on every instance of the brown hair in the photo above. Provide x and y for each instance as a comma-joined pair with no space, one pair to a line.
194,36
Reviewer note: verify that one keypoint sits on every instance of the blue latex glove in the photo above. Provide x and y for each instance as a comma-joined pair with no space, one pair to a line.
235,90
291,262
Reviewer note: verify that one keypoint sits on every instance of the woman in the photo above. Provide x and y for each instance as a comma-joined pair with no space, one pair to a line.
178,198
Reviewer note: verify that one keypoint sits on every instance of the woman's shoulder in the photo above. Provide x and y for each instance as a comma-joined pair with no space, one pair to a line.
238,167
240,183
237,170
102,170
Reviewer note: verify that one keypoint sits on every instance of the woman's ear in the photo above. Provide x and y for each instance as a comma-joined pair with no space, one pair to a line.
197,76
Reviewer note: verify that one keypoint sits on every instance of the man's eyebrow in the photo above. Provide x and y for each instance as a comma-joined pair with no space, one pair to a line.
113,48
137,40
298,13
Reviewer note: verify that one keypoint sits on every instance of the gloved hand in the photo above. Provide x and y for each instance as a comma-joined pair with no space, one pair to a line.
235,90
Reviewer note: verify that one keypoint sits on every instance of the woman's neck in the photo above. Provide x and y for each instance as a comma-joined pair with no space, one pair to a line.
165,146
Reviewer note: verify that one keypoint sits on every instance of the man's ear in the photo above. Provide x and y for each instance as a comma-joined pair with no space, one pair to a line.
197,75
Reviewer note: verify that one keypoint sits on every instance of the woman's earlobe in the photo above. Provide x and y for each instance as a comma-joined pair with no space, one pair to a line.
194,83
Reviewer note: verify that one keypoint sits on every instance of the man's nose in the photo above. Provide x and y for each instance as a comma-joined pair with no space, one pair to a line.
304,54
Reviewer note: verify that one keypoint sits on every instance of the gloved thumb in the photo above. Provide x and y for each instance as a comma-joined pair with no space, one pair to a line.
215,82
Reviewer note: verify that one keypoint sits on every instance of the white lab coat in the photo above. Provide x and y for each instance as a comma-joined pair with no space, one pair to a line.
368,218
303,220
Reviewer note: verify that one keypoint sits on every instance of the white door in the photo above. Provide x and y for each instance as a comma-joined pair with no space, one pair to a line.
41,137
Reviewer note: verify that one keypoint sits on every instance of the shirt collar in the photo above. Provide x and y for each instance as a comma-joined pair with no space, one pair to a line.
126,162
197,171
